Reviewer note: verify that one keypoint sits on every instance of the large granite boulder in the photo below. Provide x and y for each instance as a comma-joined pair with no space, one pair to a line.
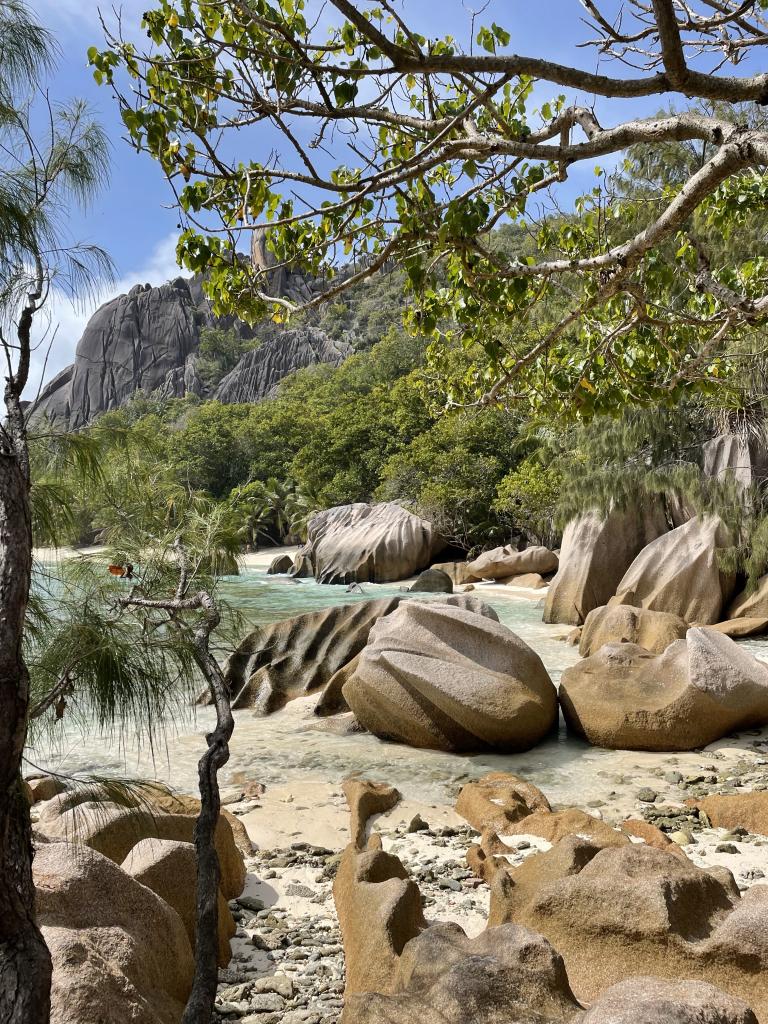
621,911
742,459
595,553
680,573
259,371
624,624
289,659
506,975
114,830
120,953
698,690
169,868
363,543
501,563
443,677
751,603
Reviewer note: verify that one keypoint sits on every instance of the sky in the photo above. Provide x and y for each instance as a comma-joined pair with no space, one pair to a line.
133,219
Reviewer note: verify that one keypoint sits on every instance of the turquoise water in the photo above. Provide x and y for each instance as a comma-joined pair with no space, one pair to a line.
289,746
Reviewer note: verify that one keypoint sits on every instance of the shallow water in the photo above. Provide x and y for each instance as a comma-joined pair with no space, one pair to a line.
287,746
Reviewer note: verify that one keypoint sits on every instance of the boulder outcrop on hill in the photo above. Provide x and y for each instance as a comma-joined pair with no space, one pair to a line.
259,371
289,659
622,624
363,543
595,553
147,341
501,563
120,953
132,343
698,690
679,573
440,676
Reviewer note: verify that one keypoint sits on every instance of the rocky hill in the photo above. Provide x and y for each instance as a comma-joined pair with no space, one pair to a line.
147,341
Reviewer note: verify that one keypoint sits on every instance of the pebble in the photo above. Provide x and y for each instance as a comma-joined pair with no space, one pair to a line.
647,795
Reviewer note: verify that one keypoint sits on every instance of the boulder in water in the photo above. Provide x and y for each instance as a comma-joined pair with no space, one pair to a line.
698,690
280,564
432,581
443,677
289,659
363,543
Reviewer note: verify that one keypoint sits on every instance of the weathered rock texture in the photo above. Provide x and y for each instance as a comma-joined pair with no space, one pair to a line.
595,554
655,1001
120,953
363,543
169,868
289,659
147,341
501,563
751,603
113,831
741,458
259,372
505,976
439,676
498,800
680,573
616,912
698,690
512,975
623,624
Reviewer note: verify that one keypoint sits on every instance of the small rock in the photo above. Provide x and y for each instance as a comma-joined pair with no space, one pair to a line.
647,795
417,824
253,903
726,848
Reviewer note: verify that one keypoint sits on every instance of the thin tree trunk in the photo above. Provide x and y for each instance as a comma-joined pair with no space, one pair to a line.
25,963
200,1005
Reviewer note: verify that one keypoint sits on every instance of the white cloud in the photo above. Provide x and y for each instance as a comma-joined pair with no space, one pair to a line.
55,351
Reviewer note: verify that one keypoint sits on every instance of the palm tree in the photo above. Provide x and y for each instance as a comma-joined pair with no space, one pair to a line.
43,170
279,508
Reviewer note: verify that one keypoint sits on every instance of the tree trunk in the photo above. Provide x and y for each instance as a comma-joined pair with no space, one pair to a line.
25,963
199,1008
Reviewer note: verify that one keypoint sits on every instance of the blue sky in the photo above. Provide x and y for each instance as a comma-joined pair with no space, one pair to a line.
131,219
